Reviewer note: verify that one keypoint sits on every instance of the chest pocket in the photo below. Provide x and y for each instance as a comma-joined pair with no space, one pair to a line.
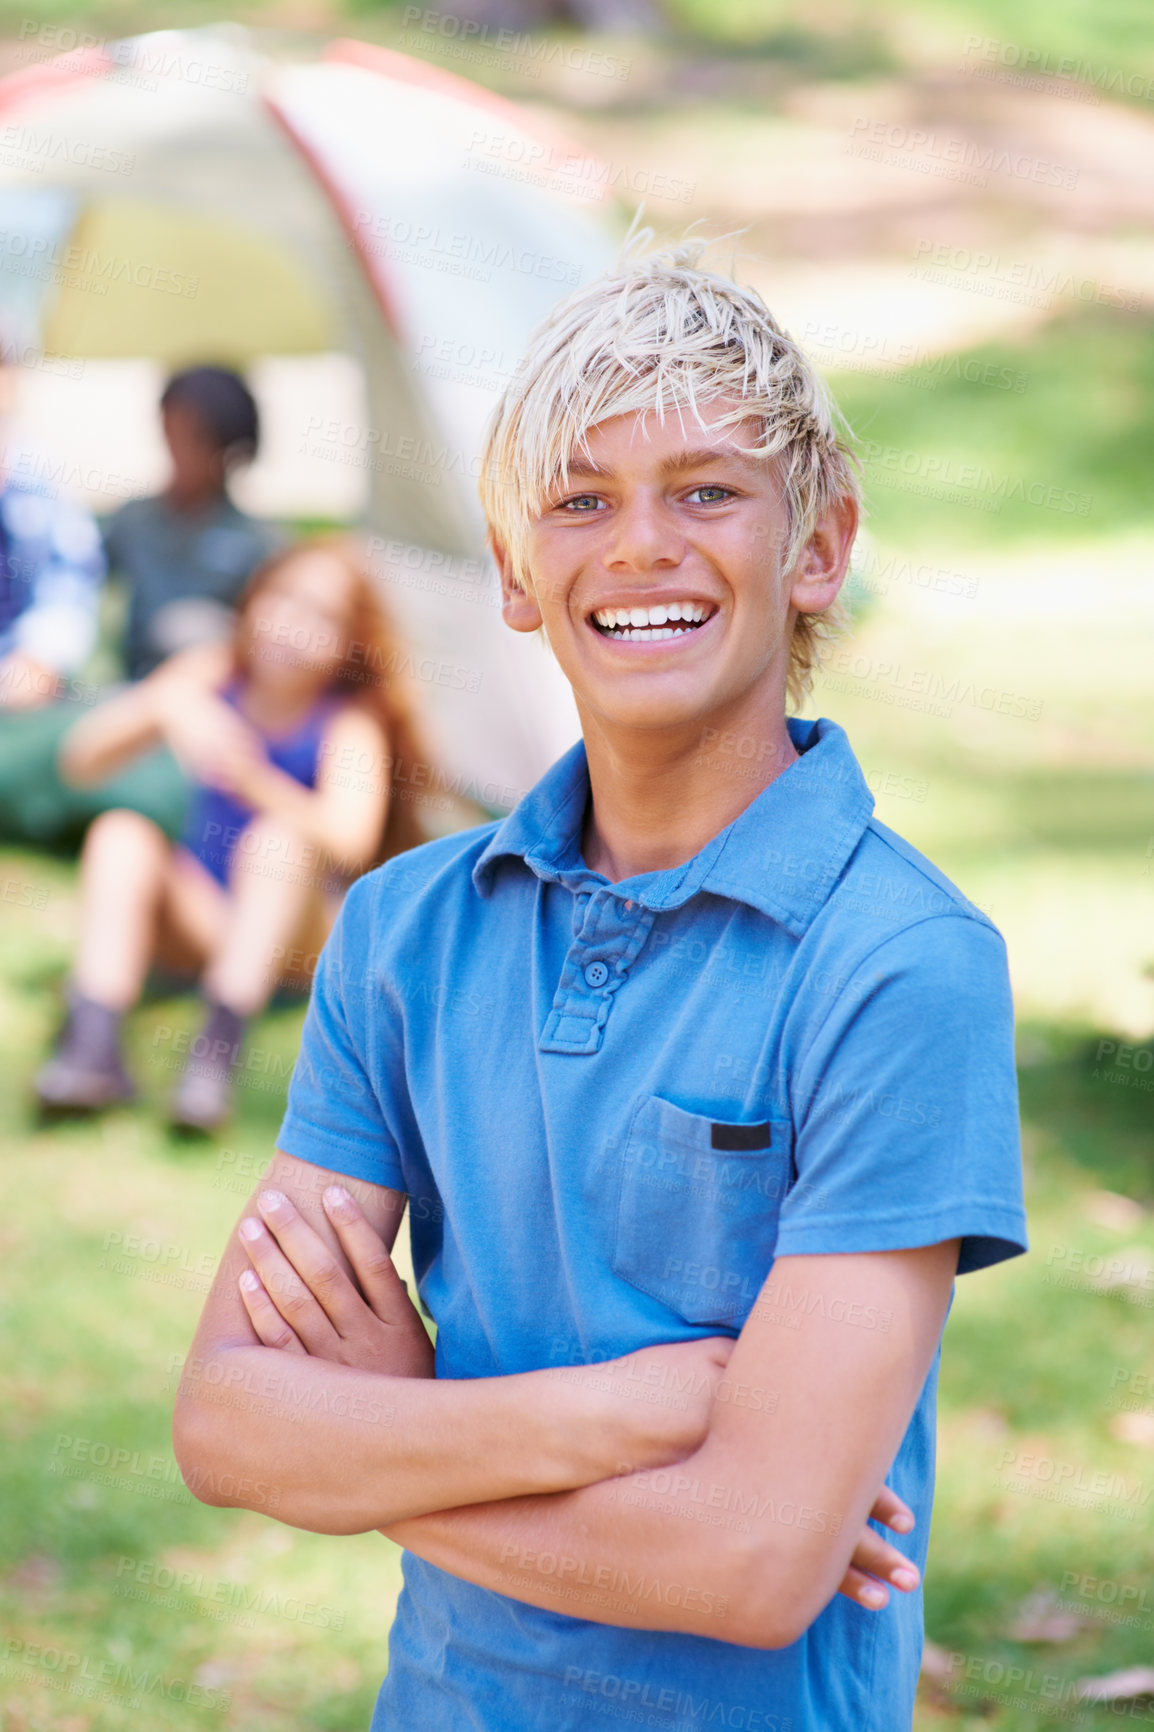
697,1209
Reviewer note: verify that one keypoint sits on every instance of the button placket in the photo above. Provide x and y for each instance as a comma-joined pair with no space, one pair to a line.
590,982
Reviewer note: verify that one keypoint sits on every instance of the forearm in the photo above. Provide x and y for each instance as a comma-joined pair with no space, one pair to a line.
110,737
655,1551
335,1450
748,1538
347,841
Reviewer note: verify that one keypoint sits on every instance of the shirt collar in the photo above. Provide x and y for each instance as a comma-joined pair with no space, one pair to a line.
782,855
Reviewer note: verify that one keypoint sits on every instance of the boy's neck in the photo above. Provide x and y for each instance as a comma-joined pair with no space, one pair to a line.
656,801
190,501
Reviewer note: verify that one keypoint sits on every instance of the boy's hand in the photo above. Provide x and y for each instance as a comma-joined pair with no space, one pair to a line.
299,1299
660,1399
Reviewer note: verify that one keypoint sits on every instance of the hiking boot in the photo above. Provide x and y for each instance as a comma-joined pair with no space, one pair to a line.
85,1072
202,1099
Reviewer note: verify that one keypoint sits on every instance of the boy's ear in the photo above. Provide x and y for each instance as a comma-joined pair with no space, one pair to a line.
518,606
821,566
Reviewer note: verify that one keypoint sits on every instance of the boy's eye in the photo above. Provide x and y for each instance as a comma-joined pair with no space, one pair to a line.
581,502
712,492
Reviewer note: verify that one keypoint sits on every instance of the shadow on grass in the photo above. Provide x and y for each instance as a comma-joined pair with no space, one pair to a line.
1090,1093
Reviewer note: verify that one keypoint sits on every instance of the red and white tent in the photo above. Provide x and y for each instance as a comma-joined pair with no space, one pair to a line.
183,196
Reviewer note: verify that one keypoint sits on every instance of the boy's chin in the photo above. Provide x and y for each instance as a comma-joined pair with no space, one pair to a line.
650,714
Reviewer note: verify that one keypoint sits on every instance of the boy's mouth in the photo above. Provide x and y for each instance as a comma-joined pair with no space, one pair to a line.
649,624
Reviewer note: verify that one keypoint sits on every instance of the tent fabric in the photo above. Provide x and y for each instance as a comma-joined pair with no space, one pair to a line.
220,290
427,226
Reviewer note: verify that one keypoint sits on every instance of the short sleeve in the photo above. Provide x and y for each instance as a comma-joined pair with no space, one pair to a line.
905,1104
340,1112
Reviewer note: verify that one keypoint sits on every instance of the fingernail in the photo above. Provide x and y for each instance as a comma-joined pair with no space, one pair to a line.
874,1596
250,1229
249,1280
902,1524
905,1578
272,1200
336,1197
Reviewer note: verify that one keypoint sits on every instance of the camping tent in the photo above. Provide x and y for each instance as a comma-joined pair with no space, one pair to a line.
181,195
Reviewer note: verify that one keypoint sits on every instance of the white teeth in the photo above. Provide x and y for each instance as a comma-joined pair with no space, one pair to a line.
650,622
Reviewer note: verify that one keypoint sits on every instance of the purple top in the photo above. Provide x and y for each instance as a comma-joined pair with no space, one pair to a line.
216,819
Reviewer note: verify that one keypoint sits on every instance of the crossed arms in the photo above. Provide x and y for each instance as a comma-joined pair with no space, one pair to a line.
733,1505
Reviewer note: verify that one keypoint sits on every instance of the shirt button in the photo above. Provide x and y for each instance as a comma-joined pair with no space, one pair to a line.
596,974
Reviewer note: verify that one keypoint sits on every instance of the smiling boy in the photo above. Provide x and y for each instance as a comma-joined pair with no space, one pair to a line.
698,1083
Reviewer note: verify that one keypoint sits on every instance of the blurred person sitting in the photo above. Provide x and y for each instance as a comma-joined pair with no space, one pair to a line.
267,727
183,555
51,574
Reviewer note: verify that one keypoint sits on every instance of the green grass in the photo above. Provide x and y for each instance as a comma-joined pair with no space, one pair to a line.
1067,457
1032,1368
95,1328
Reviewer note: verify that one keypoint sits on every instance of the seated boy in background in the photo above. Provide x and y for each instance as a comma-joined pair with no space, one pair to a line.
698,1082
185,555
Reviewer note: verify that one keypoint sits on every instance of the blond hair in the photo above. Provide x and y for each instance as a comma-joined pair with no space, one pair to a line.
659,332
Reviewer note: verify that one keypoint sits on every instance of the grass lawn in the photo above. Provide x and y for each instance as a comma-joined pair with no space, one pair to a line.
110,1234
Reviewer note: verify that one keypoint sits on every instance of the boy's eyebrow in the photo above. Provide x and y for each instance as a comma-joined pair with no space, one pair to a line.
707,454
677,460
704,454
583,466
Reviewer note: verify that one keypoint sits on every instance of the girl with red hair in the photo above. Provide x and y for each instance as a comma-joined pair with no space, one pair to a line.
296,737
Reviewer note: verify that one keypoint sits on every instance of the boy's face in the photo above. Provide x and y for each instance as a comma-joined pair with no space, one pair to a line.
672,517
197,459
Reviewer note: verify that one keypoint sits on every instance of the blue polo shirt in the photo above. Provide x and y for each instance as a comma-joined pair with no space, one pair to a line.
612,1106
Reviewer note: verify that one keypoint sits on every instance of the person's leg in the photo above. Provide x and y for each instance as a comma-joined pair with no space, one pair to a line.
271,896
122,874
123,869
193,914
273,900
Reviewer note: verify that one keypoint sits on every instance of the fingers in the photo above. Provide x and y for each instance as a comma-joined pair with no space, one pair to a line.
289,1290
863,1590
270,1326
890,1510
874,1557
371,1263
313,1261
